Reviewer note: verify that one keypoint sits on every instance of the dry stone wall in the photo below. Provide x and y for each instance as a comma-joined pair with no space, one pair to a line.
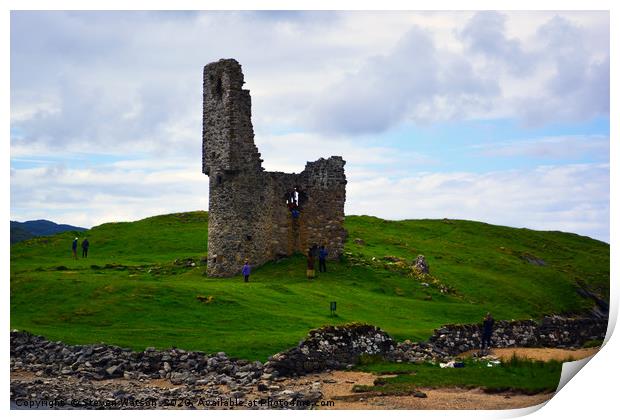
551,331
331,347
248,213
336,347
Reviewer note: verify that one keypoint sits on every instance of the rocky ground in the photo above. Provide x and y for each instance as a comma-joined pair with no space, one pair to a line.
45,373
94,376
334,388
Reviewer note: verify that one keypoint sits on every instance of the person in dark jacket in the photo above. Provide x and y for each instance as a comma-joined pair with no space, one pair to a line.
74,248
85,246
246,271
310,264
487,331
322,257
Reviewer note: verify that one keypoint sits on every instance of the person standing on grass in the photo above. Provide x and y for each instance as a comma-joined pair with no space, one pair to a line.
74,248
85,245
322,256
310,264
246,271
487,331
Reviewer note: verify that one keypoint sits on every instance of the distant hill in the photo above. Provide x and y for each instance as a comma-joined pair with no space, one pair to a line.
19,234
20,231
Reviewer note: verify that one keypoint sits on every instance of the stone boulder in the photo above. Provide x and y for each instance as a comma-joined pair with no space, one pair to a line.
420,265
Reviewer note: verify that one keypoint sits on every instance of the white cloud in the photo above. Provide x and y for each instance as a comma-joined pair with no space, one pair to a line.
105,193
571,198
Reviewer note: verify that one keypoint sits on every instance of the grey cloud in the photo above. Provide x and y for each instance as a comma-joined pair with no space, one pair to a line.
579,86
485,34
100,67
409,82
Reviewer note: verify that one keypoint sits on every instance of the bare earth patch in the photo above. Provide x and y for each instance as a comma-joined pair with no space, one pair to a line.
544,354
341,393
437,399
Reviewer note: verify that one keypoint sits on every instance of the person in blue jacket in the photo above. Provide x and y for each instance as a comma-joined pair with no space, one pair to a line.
246,271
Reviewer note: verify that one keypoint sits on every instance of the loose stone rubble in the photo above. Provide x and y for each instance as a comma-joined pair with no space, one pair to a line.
83,373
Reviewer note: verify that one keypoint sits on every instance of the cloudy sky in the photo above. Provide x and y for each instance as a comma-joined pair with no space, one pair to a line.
501,117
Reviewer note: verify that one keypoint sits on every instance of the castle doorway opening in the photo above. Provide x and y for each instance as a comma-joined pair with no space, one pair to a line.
294,199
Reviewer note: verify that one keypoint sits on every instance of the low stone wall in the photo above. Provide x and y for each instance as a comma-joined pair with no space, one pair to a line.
552,331
337,347
331,347
102,361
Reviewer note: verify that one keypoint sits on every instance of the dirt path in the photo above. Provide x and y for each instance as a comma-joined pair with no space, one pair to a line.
336,386
544,354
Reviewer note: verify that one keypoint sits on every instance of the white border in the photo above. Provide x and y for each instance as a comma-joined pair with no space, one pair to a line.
589,395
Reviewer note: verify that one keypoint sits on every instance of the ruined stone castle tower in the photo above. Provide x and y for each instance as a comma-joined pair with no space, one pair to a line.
254,214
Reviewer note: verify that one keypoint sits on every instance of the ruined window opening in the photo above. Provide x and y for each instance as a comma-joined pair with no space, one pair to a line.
216,89
248,237
294,199
218,180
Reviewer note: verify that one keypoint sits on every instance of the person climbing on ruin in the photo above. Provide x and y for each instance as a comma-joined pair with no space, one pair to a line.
487,332
74,248
322,257
85,245
310,261
246,271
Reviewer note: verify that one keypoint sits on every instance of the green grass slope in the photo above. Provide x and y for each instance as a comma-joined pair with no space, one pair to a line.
136,290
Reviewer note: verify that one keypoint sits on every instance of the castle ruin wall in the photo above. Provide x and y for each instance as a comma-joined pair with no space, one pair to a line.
248,214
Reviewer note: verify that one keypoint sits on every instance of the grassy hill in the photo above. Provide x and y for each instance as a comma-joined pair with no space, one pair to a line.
137,289
19,234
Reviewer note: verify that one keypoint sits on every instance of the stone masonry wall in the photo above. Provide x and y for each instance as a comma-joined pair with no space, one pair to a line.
331,347
248,215
551,331
335,347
